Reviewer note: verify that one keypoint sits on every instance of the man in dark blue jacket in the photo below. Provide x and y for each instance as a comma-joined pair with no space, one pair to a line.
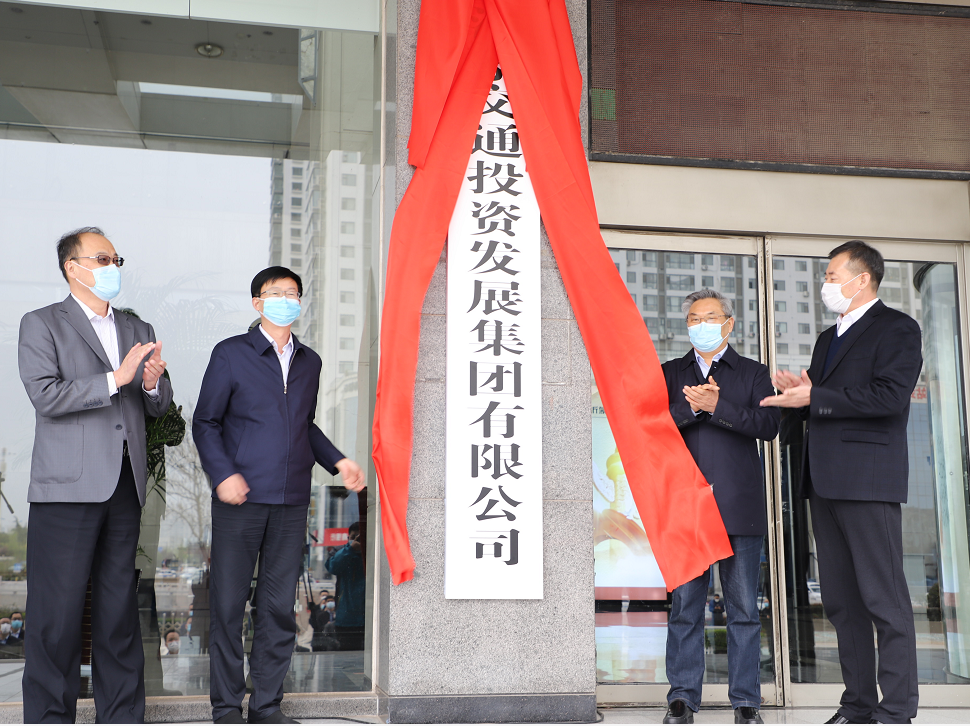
714,397
855,473
254,430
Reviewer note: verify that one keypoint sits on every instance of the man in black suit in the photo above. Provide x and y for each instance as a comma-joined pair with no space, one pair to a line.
714,395
855,473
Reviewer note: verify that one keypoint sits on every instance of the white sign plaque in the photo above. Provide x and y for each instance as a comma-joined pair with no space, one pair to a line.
493,487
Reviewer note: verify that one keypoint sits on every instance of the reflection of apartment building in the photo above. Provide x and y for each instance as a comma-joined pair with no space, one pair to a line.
320,231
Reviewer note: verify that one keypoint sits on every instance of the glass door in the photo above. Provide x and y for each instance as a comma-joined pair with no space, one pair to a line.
923,281
631,600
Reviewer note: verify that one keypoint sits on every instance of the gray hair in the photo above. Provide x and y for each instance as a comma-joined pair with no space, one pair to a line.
726,304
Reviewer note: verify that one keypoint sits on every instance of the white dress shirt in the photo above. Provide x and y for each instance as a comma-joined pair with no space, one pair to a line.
285,357
845,321
107,332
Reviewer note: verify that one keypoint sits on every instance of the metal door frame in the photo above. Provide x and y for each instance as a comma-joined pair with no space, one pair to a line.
956,253
765,247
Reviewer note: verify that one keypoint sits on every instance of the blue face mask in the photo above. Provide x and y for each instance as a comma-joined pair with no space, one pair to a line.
706,337
281,311
107,282
16,624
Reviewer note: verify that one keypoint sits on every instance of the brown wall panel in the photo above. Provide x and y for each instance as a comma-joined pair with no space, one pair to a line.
701,79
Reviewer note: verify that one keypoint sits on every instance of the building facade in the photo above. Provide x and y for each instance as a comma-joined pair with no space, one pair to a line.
731,146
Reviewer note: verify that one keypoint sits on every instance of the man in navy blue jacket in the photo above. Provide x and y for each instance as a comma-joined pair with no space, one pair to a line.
714,397
855,473
254,430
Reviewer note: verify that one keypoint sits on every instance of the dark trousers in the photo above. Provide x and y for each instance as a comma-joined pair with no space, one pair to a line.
276,534
860,564
67,543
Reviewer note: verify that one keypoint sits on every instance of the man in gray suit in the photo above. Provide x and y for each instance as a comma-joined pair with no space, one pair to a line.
85,369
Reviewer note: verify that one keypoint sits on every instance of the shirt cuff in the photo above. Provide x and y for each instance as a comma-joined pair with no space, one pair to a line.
152,394
697,413
112,386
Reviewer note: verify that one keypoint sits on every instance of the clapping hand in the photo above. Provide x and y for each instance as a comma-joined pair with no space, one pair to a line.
703,397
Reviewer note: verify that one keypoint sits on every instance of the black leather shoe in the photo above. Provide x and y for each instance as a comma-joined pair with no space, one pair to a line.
747,714
678,712
839,718
233,716
275,717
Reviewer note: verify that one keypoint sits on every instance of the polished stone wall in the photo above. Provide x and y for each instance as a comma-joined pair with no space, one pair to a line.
494,660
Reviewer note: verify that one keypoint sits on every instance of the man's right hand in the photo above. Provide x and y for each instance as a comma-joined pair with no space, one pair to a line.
129,366
233,490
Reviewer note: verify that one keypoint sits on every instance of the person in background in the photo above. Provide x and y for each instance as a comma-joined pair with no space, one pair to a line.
91,373
714,395
855,473
717,611
17,625
172,643
347,563
255,434
5,638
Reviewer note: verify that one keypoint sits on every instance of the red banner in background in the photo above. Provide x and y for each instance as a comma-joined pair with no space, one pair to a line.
460,43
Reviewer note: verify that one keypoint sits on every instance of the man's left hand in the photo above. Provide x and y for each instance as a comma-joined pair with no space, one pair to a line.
703,397
796,396
352,474
154,367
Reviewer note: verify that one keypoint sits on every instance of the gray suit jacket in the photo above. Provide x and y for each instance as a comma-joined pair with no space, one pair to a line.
80,430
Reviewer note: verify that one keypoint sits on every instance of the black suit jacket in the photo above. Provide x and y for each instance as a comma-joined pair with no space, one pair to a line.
855,445
724,444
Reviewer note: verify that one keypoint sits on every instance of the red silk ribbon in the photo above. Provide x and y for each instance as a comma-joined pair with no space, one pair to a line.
460,43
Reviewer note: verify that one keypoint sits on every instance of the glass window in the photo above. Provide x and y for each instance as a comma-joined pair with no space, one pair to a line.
779,285
752,263
680,282
346,228
752,283
707,281
753,350
348,204
781,348
891,273
778,264
679,260
673,305
801,266
649,280
801,286
803,307
347,273
727,263
781,306
707,261
781,328
752,304
649,302
347,250
677,326
348,180
649,259
631,256
727,284
804,349
214,144
804,329
631,277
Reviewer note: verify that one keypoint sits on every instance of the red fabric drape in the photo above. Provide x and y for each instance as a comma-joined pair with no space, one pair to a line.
460,42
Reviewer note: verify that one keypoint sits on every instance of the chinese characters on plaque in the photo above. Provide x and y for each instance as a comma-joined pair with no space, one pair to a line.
493,487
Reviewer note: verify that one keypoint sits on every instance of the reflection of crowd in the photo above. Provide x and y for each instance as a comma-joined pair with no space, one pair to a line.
12,635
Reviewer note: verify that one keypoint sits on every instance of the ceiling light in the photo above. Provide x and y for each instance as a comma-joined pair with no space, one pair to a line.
209,50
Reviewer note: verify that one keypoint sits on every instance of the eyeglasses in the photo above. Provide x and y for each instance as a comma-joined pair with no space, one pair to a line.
696,319
289,294
104,260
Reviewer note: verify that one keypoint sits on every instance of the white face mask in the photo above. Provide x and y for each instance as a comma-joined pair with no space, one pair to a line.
834,299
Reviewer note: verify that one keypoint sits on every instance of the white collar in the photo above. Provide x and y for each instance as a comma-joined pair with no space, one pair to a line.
91,315
286,348
717,357
848,319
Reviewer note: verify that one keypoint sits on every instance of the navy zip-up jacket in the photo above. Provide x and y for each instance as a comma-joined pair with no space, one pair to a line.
724,444
246,422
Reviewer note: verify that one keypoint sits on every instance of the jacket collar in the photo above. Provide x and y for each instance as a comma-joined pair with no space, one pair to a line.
261,344
854,332
79,321
730,357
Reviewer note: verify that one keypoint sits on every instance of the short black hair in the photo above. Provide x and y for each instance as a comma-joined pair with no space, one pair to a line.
169,632
355,527
272,274
862,258
70,244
